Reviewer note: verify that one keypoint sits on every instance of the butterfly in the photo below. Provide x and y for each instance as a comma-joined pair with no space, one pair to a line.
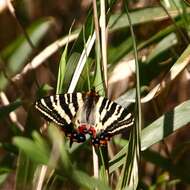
79,114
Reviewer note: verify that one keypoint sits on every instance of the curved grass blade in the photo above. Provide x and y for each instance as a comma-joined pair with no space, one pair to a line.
130,171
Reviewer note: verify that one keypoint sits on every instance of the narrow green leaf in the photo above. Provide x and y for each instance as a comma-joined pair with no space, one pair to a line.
3,177
35,151
19,51
165,44
24,173
62,66
118,21
130,170
88,182
69,70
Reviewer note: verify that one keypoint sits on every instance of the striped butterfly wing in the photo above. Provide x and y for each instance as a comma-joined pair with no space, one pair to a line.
113,117
61,109
89,112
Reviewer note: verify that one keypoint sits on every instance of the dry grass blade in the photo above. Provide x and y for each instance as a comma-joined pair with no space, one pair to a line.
103,39
45,54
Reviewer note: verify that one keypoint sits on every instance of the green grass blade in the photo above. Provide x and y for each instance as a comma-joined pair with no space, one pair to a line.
24,173
81,63
62,66
175,70
130,169
16,54
61,72
118,21
34,149
157,131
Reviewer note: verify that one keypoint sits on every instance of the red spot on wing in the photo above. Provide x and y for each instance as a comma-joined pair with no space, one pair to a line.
83,128
86,128
92,131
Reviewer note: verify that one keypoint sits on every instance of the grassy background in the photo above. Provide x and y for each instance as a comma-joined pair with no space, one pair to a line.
49,47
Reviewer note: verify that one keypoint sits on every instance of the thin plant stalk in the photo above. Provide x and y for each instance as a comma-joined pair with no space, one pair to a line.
138,95
95,162
96,23
103,38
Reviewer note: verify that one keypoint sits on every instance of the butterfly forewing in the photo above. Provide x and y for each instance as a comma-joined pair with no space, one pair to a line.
60,109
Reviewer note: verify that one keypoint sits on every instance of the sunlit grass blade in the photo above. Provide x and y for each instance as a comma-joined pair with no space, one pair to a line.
157,131
175,70
81,62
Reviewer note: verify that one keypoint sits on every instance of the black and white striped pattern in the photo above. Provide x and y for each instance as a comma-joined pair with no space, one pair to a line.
99,114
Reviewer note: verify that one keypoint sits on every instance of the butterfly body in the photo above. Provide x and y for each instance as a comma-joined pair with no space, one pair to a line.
79,114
